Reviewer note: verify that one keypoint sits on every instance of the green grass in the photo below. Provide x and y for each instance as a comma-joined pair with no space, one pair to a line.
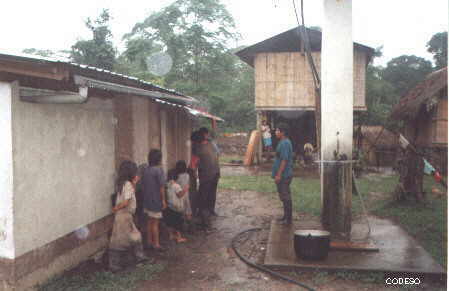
224,158
427,223
104,280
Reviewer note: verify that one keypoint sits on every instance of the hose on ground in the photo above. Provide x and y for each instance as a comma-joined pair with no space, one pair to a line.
259,267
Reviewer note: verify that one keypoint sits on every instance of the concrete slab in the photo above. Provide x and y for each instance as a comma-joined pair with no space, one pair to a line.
398,252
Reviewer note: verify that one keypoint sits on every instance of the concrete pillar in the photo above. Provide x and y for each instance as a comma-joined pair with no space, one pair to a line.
337,99
7,249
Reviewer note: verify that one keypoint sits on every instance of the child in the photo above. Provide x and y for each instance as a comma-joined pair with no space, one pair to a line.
173,214
184,181
153,189
125,234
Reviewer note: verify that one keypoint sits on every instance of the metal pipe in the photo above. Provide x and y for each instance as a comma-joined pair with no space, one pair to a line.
84,81
53,97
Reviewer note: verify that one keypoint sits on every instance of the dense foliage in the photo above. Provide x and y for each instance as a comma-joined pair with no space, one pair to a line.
98,51
198,37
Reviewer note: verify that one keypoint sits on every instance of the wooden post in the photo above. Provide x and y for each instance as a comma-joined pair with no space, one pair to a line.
164,145
259,149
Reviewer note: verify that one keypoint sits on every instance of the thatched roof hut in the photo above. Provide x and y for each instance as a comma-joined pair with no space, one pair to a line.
378,145
424,111
421,95
379,137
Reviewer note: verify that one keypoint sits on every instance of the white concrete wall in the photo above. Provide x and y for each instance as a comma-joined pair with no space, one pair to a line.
337,79
63,168
141,124
6,173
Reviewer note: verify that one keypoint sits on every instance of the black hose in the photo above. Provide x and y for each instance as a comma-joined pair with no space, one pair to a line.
261,268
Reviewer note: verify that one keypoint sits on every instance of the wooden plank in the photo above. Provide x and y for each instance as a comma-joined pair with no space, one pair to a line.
353,246
164,130
251,148
154,134
42,70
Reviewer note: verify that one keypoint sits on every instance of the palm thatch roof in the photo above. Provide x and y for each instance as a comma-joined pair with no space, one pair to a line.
410,104
379,137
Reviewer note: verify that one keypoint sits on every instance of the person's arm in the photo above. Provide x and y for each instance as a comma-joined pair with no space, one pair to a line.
127,192
121,205
281,169
182,192
284,155
194,162
164,201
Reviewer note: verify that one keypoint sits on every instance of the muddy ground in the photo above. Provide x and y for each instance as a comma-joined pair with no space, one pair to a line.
207,261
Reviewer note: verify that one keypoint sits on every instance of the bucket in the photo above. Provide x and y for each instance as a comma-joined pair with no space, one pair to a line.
312,244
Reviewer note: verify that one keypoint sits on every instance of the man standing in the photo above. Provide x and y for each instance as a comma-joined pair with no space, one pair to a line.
206,160
282,171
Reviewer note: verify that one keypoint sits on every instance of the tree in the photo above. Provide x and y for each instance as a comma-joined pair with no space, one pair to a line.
437,46
197,35
194,33
405,72
98,51
39,52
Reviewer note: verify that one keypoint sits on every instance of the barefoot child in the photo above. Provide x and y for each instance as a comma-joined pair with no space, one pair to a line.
125,234
173,214
153,187
184,181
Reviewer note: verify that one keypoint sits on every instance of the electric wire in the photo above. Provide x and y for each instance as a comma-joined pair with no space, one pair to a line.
306,41
259,267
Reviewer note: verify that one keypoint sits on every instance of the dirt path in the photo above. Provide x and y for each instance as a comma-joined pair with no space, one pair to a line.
207,262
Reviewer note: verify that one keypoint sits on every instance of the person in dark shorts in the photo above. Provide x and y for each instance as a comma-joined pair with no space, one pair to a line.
154,202
282,172
206,161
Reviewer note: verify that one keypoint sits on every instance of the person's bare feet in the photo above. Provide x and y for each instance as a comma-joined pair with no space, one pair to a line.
181,240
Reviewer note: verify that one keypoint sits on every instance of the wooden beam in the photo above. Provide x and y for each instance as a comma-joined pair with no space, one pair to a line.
42,70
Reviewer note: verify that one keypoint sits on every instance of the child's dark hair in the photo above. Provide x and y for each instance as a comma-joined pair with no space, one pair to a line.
172,175
181,167
154,157
126,172
196,136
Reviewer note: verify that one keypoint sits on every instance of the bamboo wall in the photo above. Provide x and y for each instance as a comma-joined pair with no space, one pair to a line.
284,80
439,123
429,129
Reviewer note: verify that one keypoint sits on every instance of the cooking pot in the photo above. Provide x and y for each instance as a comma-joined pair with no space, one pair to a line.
312,244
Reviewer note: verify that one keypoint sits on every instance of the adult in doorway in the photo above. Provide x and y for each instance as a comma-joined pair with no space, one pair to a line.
282,172
206,161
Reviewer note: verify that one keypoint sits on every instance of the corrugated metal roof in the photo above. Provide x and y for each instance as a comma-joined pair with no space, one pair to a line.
192,111
64,61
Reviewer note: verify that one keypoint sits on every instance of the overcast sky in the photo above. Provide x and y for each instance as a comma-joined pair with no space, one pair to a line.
401,26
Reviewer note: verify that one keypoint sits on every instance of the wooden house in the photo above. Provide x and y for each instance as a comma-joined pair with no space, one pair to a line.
284,87
424,113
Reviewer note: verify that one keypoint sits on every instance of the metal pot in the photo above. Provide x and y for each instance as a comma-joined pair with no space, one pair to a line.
312,244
